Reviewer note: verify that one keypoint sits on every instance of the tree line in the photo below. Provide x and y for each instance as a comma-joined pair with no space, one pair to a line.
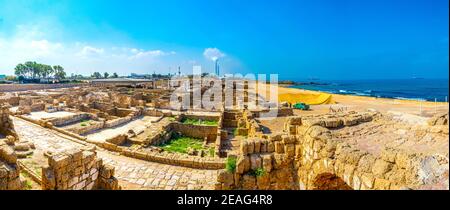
33,70
105,75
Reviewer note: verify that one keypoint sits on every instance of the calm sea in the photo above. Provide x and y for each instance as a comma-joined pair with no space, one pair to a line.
414,89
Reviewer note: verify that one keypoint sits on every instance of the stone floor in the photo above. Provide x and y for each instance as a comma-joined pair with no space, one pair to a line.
137,125
132,173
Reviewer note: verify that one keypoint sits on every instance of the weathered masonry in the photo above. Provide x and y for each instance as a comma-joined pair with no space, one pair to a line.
311,155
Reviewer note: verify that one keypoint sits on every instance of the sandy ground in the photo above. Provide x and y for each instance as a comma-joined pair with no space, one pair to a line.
408,111
137,125
45,115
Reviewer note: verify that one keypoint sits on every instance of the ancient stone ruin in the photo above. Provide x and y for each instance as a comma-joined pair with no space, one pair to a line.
111,136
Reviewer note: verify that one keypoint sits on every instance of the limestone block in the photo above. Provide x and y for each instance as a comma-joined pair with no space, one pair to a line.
388,155
381,184
333,123
267,162
289,150
257,148
225,177
8,155
244,148
381,167
279,147
279,160
251,147
264,144
295,120
270,146
288,139
248,182
255,161
367,180
240,164
316,131
48,179
107,171
350,121
366,163
247,164
58,160
308,122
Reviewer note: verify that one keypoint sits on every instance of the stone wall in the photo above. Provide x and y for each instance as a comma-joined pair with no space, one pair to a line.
118,121
6,124
26,87
88,128
11,100
77,170
281,112
306,156
196,131
262,164
9,169
61,121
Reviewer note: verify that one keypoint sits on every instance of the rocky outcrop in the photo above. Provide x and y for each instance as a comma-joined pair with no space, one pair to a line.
439,119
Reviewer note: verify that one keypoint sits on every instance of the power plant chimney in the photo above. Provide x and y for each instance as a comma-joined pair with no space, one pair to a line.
216,68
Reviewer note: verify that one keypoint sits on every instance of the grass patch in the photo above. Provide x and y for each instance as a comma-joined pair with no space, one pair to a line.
257,172
211,152
28,185
189,121
230,165
83,124
180,144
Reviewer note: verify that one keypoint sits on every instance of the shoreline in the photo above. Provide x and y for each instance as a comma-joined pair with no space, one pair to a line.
364,103
405,100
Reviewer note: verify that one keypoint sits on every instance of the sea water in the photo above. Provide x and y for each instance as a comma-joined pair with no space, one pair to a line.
412,89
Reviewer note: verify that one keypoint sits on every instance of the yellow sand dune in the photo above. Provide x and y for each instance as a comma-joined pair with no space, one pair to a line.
307,98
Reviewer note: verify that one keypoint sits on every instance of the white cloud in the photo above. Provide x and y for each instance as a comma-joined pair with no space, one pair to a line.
30,43
87,51
137,54
213,54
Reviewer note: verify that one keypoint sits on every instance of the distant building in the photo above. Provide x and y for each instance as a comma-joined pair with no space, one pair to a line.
139,76
2,77
123,82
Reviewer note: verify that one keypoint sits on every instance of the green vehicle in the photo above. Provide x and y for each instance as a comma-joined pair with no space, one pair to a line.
301,106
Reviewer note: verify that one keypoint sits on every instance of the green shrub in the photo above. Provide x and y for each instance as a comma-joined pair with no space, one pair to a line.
231,164
189,121
83,124
258,172
211,152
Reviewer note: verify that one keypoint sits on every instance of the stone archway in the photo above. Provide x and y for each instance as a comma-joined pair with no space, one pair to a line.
329,181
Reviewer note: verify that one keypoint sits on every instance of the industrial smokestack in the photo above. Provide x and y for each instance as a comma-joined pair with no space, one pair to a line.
216,67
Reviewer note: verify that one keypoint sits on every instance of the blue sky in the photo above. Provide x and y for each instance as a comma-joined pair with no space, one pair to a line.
297,39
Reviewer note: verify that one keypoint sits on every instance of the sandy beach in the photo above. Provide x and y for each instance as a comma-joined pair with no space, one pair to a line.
362,103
